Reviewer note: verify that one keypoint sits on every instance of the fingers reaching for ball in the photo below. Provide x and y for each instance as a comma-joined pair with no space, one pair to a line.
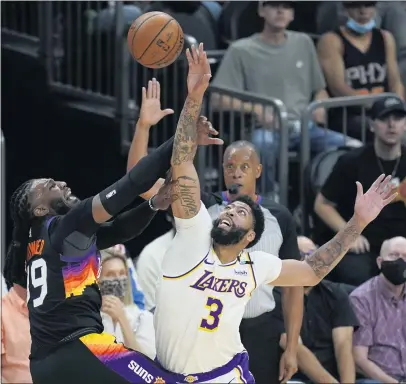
199,70
153,91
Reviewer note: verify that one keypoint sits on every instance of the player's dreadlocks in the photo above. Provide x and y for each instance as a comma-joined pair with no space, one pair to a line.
14,268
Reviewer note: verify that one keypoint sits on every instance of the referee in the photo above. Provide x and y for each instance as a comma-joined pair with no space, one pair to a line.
242,168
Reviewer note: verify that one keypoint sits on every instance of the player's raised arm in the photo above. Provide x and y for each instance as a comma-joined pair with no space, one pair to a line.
86,215
150,114
315,267
186,186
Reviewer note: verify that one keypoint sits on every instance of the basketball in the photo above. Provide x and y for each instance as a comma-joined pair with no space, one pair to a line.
155,40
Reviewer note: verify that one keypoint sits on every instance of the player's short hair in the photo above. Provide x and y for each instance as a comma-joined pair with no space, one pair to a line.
258,218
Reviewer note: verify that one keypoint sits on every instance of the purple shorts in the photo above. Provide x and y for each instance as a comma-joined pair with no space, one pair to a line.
137,368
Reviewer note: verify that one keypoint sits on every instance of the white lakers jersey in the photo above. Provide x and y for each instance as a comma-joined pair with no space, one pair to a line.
200,302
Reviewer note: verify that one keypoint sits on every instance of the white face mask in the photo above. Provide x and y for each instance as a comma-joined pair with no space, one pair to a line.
361,29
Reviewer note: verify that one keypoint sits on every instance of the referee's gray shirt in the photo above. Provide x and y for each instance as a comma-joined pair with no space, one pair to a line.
279,239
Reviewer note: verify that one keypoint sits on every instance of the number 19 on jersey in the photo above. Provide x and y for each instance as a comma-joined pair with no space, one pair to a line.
37,273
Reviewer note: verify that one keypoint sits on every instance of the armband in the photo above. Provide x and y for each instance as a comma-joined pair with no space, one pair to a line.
151,204
118,195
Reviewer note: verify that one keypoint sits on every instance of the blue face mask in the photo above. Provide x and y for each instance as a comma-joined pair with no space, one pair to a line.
362,29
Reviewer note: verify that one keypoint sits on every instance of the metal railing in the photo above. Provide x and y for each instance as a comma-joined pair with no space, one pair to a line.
305,150
80,47
2,199
21,18
232,114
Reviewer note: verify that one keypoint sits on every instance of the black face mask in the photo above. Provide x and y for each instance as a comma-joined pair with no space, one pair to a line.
394,271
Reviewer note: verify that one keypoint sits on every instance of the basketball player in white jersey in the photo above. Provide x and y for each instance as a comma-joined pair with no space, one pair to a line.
208,277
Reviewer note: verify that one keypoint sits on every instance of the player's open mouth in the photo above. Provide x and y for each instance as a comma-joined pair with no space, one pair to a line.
225,223
68,195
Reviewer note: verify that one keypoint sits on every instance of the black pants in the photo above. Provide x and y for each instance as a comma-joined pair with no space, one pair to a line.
260,336
355,269
72,363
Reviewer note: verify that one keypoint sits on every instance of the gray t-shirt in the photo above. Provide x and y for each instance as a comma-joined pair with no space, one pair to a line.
289,71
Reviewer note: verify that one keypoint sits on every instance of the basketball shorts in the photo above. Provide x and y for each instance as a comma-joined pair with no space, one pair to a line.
98,358
235,371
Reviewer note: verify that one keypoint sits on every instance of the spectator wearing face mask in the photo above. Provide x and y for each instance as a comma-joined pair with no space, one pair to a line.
390,15
121,317
380,305
358,59
334,202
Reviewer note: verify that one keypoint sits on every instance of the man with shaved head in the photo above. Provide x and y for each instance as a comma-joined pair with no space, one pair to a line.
380,305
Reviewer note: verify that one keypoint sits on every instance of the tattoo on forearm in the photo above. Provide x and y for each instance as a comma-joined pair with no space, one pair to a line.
326,257
184,189
185,143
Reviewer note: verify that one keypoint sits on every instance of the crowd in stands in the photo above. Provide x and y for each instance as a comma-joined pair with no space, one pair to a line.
351,327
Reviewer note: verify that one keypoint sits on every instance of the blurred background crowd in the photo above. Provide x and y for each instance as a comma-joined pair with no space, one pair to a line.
308,97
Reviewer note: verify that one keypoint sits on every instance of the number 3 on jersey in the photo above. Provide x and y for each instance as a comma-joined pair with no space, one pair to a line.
38,267
215,307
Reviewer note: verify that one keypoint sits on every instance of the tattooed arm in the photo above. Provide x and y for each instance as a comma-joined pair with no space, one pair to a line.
186,186
316,266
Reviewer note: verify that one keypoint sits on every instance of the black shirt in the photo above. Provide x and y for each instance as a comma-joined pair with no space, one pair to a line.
326,307
366,72
364,166
63,264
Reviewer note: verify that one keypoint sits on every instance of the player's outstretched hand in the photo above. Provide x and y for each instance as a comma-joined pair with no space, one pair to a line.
151,112
199,71
368,205
163,199
204,131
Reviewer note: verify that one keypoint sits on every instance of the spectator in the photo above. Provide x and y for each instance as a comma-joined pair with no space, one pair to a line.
280,64
328,324
138,294
149,266
306,245
358,59
390,15
121,317
242,168
334,204
15,337
380,305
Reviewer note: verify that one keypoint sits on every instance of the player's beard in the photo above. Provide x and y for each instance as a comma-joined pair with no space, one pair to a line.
61,206
222,237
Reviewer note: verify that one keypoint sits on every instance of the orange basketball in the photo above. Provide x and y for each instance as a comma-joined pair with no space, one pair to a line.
155,39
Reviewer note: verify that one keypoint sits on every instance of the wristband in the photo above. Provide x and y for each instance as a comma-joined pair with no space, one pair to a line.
151,205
